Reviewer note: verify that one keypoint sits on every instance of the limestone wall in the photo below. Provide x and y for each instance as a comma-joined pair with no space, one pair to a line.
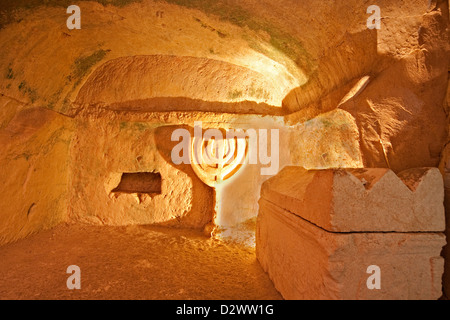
34,170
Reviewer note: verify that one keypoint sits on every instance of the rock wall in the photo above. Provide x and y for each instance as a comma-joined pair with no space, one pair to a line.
34,169
109,143
104,150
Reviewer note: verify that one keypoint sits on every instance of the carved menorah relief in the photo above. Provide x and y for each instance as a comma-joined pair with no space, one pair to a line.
216,158
216,155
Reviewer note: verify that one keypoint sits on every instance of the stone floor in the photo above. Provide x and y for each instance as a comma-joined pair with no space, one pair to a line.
131,263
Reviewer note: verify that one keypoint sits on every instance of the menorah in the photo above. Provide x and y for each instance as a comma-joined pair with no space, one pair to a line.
216,159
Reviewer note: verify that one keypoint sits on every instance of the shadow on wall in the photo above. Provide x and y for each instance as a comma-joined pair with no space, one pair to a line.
203,198
356,57
173,104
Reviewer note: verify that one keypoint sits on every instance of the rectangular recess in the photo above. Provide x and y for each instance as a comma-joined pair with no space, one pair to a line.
139,182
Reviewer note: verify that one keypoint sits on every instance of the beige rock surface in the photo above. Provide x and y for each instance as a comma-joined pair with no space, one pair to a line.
446,250
308,262
307,55
114,31
127,147
399,113
329,140
131,263
124,82
361,200
445,170
141,142
34,170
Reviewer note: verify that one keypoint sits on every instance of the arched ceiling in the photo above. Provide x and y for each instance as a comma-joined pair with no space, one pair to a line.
171,83
300,50
50,67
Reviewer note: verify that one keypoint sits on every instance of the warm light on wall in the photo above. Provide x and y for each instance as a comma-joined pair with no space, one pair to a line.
284,76
217,159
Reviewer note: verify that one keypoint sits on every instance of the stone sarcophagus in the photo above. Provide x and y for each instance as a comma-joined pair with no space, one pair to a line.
353,233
